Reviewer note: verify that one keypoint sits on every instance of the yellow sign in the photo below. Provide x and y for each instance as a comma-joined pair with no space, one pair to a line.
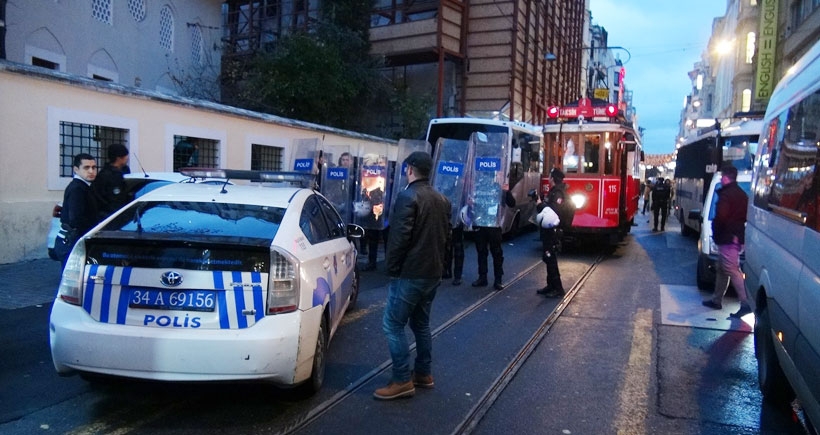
765,80
601,93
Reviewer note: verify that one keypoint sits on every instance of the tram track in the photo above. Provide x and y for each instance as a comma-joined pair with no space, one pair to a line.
474,416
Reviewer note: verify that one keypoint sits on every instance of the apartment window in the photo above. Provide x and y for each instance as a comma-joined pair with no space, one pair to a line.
166,28
101,10
699,82
76,138
137,9
753,2
266,158
194,151
746,100
750,47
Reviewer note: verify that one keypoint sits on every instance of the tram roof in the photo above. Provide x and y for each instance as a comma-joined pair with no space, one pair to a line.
574,127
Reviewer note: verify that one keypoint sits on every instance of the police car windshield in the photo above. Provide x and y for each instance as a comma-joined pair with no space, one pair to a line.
199,219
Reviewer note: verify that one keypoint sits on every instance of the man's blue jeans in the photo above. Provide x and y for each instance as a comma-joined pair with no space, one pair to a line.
409,300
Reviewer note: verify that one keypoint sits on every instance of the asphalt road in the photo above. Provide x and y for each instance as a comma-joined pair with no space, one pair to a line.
631,352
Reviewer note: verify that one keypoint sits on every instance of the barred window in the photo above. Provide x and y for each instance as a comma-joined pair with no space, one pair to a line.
76,138
137,9
195,152
101,10
166,28
266,158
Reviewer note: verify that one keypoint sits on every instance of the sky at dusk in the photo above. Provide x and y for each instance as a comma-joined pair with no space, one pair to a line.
665,39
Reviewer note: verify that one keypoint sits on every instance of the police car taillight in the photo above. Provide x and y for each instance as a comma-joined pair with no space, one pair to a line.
70,290
283,283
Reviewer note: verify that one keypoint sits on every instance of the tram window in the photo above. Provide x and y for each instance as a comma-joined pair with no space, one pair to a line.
609,159
592,148
571,160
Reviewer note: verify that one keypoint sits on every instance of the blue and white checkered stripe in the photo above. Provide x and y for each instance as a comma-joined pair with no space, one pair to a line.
105,301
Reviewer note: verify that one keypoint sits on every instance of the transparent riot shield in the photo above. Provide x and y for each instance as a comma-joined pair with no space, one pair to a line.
306,156
338,180
450,168
371,187
406,147
488,178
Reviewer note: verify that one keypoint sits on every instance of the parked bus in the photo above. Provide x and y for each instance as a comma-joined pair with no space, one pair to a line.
701,156
783,241
523,160
600,155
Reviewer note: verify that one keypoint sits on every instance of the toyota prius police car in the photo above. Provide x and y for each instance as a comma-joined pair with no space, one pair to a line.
203,282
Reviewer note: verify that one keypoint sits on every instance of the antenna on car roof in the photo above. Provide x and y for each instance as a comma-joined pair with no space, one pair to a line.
140,164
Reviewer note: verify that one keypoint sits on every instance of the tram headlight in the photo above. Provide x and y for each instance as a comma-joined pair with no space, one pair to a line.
579,200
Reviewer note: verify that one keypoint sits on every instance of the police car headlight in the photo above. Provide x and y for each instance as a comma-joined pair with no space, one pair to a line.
579,200
283,283
70,290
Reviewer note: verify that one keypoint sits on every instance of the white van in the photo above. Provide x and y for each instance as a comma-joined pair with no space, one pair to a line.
783,240
707,249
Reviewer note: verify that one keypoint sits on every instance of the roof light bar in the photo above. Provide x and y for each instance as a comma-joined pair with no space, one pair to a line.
300,178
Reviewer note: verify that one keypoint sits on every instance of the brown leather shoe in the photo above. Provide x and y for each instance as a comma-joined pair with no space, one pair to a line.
395,390
423,381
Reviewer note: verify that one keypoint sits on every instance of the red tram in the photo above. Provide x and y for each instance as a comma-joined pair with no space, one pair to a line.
600,155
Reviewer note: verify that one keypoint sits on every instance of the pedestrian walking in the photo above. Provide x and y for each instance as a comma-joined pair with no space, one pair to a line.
557,201
79,213
729,234
419,231
647,193
488,241
109,185
660,203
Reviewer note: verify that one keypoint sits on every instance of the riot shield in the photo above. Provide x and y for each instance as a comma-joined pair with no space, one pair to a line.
306,156
450,168
488,178
406,147
371,187
338,180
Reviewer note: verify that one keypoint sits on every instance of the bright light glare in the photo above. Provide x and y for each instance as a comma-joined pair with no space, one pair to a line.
579,200
724,47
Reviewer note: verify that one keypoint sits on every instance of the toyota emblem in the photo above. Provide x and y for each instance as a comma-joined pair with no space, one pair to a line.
171,279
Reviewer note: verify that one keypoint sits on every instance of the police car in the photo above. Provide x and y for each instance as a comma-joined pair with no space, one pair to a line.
204,282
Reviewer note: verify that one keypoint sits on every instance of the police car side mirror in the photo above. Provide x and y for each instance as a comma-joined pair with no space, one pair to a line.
355,231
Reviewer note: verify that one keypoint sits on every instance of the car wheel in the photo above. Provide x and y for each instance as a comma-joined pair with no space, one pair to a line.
773,382
703,284
354,292
317,374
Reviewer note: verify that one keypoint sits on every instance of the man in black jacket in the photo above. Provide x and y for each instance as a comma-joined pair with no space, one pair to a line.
661,193
109,186
419,229
551,237
729,233
79,212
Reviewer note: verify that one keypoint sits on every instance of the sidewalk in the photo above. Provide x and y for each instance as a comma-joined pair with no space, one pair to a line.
28,283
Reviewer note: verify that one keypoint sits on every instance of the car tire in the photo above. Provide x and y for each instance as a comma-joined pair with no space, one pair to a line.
317,373
773,382
703,284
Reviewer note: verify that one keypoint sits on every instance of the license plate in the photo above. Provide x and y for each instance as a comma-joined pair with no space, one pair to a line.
185,300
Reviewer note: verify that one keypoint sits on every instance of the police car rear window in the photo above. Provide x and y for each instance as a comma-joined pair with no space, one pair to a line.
198,219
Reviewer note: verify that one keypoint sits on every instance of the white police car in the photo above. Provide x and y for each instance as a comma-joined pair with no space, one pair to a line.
203,282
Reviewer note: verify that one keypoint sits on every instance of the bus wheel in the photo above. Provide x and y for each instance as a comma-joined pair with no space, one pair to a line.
773,382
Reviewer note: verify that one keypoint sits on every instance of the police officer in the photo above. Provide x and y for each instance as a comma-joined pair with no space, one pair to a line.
660,203
488,241
551,237
109,186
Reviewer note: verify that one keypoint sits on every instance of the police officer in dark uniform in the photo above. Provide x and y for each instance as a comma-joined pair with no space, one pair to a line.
109,186
551,237
661,193
488,241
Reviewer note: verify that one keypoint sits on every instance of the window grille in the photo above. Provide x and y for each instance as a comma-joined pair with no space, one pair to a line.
76,138
195,152
166,29
266,158
101,10
197,46
137,9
